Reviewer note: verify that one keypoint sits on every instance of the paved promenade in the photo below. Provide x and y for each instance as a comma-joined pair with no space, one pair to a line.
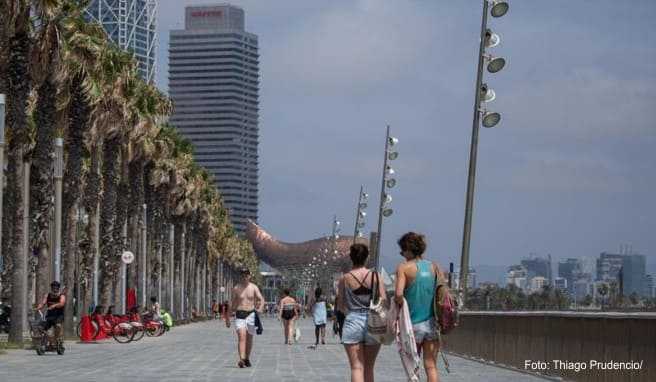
206,352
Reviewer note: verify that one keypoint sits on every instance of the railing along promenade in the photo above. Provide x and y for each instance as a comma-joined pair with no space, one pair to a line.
560,343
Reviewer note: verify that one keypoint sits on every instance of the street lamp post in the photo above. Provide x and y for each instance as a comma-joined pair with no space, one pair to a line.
127,257
490,119
389,182
59,174
144,249
360,214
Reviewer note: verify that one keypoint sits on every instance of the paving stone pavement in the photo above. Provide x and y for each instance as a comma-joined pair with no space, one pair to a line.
206,351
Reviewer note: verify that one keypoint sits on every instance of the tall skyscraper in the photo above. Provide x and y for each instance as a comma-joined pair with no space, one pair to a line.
131,24
214,85
569,269
538,266
609,266
633,272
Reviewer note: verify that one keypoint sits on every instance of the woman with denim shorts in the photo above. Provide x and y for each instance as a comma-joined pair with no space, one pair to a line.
415,282
354,294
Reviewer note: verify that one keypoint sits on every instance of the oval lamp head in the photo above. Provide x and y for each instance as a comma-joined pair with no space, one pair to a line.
393,141
388,199
491,118
499,8
393,155
388,212
491,39
390,183
487,94
496,64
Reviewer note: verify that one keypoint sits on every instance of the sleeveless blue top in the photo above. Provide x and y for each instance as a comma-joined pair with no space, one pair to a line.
421,293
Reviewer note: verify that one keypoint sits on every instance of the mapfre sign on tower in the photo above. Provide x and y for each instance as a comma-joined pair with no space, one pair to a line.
207,14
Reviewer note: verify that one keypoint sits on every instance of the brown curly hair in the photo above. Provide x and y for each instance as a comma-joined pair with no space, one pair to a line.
413,242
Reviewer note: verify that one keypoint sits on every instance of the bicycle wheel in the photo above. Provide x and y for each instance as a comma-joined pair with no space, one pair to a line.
162,330
152,330
138,333
95,329
122,332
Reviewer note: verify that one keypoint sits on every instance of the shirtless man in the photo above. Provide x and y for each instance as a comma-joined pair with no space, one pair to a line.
246,299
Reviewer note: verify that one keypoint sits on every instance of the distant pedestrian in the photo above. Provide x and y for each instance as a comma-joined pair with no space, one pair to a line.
225,310
215,309
415,282
154,311
339,319
354,294
319,315
246,300
288,314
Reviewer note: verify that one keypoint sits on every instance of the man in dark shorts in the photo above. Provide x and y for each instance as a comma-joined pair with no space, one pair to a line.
54,303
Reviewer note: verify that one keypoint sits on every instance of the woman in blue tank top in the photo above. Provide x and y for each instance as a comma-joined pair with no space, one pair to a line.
415,282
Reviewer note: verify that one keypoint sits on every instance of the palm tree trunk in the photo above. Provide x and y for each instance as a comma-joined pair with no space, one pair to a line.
109,229
135,188
41,183
17,94
78,123
88,247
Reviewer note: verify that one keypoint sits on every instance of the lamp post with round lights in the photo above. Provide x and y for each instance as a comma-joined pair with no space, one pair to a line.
360,214
482,95
388,181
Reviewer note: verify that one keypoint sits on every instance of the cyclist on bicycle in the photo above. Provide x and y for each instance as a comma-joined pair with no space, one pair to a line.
54,303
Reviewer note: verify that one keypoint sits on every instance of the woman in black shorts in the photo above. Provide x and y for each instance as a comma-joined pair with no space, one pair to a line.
287,311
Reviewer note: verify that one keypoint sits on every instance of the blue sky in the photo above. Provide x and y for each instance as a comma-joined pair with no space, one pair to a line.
569,171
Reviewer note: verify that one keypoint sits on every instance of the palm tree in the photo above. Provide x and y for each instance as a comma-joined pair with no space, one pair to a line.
82,43
149,106
109,115
17,81
57,21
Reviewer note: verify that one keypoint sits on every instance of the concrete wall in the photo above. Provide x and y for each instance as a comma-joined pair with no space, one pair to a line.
512,338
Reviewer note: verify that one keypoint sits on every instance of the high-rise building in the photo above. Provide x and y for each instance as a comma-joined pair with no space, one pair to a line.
537,284
518,276
633,274
538,266
214,86
131,24
471,279
560,283
650,287
569,269
609,266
